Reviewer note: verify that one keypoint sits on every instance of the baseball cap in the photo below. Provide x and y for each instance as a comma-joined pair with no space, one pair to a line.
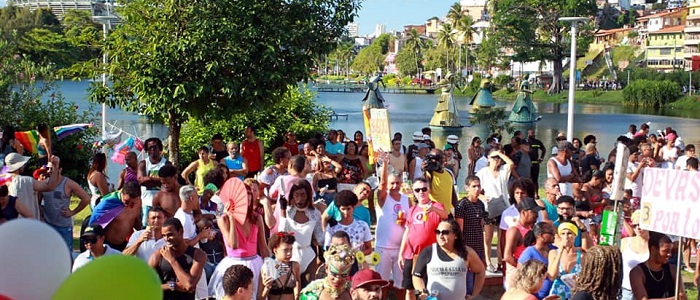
564,145
452,139
93,230
367,276
447,146
417,136
426,137
423,146
528,204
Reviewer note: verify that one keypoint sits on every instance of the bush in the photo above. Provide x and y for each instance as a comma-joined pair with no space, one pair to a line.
297,112
26,102
502,81
651,93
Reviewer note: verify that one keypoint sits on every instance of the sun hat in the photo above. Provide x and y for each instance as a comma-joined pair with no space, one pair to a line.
14,161
417,136
452,139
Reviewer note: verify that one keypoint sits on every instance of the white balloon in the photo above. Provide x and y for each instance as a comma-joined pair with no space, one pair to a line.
35,260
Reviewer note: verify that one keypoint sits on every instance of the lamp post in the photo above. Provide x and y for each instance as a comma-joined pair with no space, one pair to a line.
106,22
572,75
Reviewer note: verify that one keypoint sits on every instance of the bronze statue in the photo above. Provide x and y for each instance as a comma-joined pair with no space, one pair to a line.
523,111
446,113
373,98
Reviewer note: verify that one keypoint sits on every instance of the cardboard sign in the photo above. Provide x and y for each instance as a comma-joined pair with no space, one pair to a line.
670,201
379,129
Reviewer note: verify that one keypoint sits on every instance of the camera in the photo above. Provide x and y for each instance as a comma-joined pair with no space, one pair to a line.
433,162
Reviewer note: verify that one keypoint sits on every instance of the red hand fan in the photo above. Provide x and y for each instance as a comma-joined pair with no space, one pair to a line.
234,196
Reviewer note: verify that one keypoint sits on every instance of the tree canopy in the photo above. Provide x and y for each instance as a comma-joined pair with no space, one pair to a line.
203,59
533,30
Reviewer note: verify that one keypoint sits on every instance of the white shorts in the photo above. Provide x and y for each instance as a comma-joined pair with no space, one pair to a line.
388,266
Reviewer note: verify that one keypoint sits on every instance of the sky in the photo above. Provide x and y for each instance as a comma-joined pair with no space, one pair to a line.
394,14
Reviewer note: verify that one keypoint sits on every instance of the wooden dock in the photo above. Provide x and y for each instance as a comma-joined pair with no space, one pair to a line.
336,116
359,89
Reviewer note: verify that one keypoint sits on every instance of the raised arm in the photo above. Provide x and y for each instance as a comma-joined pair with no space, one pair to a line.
186,172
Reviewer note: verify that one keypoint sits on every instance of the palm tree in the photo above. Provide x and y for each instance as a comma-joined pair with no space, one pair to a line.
415,44
455,13
464,34
446,40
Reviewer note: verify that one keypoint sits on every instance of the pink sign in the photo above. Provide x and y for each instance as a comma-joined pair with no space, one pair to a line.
670,202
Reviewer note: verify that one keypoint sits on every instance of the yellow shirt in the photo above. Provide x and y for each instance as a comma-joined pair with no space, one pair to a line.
202,169
441,188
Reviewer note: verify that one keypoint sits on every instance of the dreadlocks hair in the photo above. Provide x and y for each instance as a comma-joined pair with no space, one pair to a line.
601,273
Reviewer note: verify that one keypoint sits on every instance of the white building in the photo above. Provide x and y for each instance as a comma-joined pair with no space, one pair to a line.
353,29
622,4
674,4
379,29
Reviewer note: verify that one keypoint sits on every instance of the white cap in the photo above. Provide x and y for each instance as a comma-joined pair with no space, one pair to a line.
417,136
426,137
452,139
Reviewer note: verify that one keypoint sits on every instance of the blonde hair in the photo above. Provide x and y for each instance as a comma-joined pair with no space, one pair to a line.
528,275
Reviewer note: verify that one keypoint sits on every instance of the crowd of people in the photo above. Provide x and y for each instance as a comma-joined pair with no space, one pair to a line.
317,224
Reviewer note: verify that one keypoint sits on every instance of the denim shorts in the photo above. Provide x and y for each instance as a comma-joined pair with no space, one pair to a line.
66,234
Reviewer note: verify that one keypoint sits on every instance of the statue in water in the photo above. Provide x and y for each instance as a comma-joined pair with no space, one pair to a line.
446,113
373,98
483,97
524,111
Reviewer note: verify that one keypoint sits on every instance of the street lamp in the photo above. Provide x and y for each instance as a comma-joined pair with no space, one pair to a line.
572,74
106,22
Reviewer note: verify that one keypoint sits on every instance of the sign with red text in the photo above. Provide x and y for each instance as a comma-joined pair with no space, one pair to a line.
379,129
670,202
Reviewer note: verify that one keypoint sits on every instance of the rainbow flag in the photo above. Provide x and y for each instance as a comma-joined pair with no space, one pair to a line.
63,131
28,139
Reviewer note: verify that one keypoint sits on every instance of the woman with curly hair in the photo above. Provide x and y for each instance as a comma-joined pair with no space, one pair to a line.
601,275
527,281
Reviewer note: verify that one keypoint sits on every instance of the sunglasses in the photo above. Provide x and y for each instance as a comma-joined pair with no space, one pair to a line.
420,190
635,226
91,240
442,232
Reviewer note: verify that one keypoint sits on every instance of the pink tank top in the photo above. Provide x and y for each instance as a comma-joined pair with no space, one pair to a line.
247,245
520,248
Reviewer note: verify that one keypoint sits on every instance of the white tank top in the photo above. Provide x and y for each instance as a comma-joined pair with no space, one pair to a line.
151,171
630,259
388,233
564,170
447,277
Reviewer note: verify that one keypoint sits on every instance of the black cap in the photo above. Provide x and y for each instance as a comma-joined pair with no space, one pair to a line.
94,230
528,203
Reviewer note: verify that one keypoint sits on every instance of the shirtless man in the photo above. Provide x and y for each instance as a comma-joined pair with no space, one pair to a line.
118,231
168,197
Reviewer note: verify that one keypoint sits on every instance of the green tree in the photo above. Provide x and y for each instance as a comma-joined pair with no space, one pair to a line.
532,29
407,61
296,111
46,47
26,102
204,60
445,40
368,61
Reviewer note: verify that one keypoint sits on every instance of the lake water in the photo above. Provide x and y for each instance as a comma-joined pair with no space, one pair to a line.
408,113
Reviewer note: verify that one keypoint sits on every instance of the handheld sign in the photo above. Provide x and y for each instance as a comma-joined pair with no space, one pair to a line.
669,199
622,158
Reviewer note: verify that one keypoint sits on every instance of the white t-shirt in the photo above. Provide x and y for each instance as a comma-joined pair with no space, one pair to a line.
357,230
146,248
85,257
495,188
682,163
188,226
388,233
668,154
635,185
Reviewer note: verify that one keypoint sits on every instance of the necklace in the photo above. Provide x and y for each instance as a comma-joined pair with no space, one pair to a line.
652,275
333,292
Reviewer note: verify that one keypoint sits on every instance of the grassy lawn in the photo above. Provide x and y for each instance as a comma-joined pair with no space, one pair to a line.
77,221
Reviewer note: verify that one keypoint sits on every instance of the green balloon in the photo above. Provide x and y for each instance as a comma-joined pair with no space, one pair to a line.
115,277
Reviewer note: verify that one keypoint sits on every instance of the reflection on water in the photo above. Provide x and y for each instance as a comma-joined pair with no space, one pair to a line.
408,113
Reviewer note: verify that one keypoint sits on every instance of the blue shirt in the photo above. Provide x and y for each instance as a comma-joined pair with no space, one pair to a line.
532,253
333,149
234,164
